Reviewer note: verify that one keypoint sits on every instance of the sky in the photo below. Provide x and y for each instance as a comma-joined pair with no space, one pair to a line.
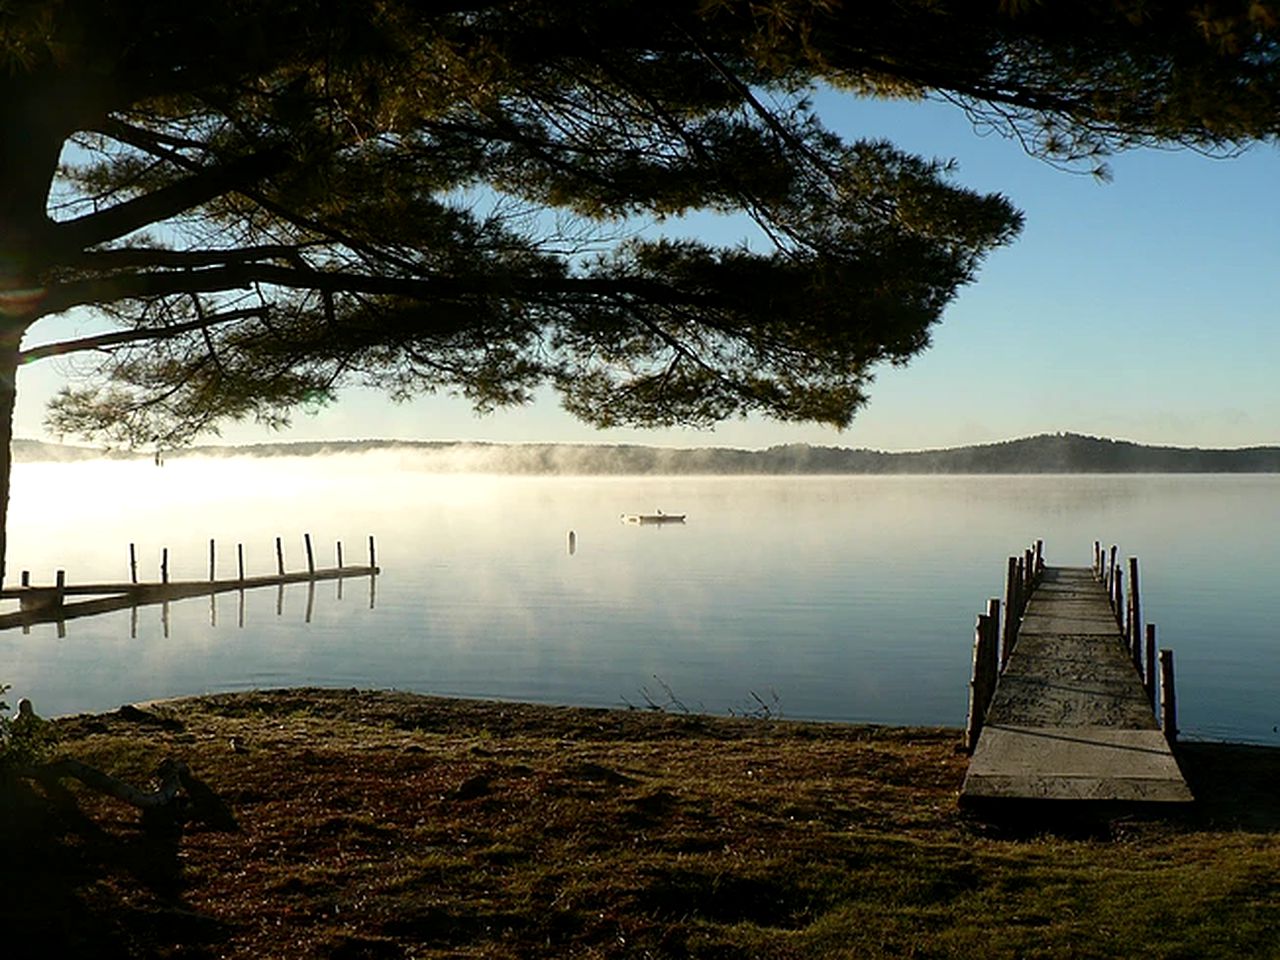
1143,309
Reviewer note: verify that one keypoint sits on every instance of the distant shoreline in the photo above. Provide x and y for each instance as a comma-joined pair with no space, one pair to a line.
1064,453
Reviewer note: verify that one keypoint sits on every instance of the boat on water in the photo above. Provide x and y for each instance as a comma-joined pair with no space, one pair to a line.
658,517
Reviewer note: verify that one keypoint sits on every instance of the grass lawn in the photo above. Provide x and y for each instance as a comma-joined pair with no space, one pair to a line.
344,824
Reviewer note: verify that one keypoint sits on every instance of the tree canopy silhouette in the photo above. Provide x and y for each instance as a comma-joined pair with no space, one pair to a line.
264,200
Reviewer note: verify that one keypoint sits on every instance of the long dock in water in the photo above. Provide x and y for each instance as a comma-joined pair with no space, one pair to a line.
1065,710
50,603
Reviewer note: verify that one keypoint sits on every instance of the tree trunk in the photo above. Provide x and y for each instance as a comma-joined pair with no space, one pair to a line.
8,394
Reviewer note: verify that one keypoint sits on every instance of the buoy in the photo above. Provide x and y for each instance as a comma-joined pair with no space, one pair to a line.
573,543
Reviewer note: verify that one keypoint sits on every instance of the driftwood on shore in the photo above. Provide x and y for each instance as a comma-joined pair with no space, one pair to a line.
177,791
173,775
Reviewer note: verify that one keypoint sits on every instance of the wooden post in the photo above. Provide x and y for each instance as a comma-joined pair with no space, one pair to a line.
60,588
1022,588
1135,613
1168,698
339,554
133,563
1127,630
1149,680
311,560
1097,559
372,562
991,651
1010,611
26,578
1039,558
993,645
991,654
164,565
1111,566
212,561
279,557
240,560
980,682
1028,574
1117,598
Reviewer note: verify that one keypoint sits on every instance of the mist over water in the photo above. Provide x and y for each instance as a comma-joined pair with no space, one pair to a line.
850,598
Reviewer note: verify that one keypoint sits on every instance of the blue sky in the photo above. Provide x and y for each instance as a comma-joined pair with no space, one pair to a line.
1145,309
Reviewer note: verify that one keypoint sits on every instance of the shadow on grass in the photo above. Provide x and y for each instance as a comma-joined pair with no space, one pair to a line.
79,887
1235,785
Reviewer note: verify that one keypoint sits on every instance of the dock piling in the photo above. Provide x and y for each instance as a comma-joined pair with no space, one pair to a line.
1010,611
164,565
279,557
372,562
1168,698
982,682
311,560
1149,675
212,561
1135,613
240,560
133,563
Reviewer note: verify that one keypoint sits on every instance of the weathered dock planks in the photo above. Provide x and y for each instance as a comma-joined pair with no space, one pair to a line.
1070,718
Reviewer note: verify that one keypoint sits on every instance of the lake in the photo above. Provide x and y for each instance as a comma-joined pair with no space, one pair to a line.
831,598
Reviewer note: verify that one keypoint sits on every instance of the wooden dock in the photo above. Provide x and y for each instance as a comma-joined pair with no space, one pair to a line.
50,603
1065,711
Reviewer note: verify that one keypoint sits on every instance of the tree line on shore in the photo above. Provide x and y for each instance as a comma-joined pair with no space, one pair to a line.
1046,453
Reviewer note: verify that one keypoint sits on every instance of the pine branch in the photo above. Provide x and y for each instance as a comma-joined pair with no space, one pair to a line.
135,336
208,184
128,286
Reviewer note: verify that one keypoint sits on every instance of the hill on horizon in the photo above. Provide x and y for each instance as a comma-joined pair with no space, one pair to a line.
1044,453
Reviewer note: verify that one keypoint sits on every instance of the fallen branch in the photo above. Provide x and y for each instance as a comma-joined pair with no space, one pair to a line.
174,776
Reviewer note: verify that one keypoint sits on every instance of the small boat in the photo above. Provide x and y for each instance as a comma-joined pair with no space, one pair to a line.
658,517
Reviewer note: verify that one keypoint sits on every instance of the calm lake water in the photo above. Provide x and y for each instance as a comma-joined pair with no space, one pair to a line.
849,598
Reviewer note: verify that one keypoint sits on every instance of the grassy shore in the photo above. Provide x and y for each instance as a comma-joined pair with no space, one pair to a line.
344,824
